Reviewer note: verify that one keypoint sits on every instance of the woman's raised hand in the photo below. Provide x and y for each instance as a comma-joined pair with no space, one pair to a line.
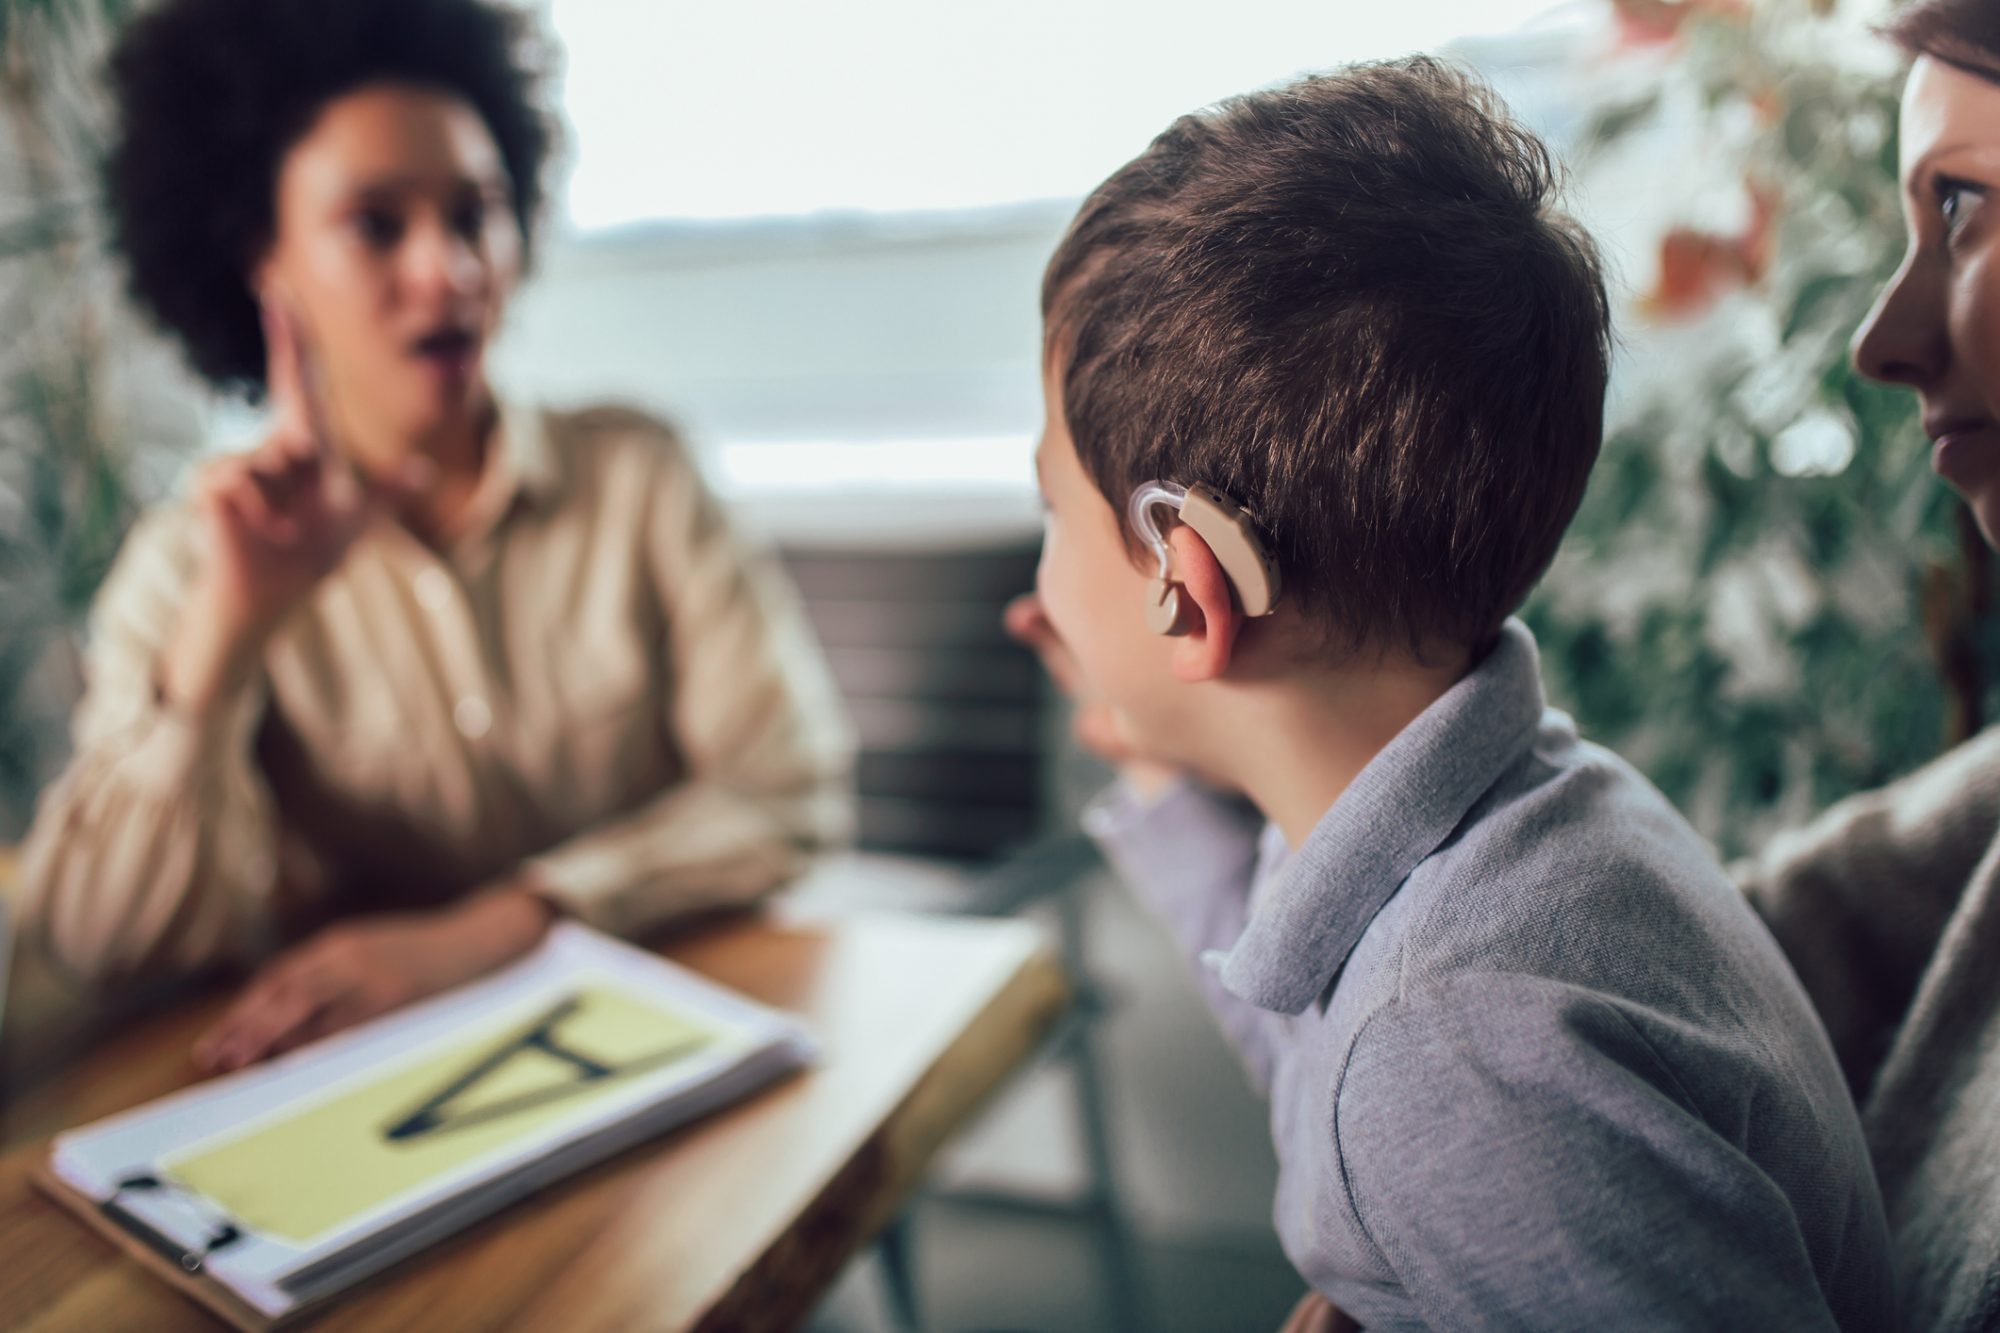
279,518
274,521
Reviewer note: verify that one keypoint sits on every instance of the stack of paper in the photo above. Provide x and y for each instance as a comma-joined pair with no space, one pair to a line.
290,1181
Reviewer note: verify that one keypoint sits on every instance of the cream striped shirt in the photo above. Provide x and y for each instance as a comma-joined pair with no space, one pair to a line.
599,683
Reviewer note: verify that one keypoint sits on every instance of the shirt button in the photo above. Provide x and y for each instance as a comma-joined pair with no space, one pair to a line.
472,717
434,589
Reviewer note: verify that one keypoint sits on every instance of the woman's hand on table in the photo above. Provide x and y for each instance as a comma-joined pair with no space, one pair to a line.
354,970
274,522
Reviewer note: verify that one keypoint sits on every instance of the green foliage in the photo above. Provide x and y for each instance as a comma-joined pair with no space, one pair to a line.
66,479
1739,608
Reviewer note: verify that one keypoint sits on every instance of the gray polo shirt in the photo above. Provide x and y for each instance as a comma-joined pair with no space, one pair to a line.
1532,1061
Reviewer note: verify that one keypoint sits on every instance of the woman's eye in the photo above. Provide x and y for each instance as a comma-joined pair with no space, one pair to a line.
1956,201
469,219
378,229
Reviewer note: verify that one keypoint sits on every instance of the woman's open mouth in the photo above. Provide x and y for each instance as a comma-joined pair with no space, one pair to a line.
450,351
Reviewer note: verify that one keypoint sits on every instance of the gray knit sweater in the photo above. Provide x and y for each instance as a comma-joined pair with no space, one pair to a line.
1889,907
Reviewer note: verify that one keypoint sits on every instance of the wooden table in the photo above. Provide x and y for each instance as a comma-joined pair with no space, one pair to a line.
740,1222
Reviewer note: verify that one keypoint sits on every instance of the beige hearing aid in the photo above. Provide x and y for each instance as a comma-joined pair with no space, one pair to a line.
1230,533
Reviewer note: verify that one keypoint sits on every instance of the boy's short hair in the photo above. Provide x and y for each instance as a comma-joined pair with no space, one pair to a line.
1351,305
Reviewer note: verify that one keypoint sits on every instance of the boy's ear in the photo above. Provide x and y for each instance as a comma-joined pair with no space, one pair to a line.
1208,606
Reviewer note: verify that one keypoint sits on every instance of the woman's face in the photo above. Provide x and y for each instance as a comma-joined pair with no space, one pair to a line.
1936,327
396,246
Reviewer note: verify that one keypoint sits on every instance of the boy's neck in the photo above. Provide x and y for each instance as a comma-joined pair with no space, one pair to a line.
1293,746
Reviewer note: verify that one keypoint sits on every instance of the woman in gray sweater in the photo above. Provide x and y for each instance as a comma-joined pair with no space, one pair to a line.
1889,905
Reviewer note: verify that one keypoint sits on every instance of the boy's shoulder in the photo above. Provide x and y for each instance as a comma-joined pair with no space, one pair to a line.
1567,1016
1574,943
1573,884
1569,851
1487,836
1573,909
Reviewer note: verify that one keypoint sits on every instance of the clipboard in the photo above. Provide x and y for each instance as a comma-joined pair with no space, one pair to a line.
197,1286
433,1119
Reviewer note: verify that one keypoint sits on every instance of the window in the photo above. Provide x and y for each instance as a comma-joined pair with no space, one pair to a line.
686,110
813,232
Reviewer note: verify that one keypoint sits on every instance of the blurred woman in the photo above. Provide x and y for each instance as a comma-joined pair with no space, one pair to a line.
1889,905
437,664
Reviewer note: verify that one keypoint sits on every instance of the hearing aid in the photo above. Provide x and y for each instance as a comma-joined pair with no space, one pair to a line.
1230,532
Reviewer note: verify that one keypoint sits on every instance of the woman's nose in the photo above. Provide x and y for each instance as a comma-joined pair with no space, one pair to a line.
1906,338
442,262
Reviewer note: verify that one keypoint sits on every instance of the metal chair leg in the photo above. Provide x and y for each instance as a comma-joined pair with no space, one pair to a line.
1116,1250
895,1248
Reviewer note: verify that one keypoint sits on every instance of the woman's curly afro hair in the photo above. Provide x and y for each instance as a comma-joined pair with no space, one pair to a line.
212,94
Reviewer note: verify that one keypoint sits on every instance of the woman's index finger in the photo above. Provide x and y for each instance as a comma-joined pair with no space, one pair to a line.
312,399
310,385
297,387
281,359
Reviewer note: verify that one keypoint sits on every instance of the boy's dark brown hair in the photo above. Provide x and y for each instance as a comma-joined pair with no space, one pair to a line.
1965,33
1351,305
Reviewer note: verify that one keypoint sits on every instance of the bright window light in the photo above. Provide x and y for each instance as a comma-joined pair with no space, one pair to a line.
960,464
686,110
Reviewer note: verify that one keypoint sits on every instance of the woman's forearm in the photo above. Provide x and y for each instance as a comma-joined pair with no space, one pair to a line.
503,922
211,654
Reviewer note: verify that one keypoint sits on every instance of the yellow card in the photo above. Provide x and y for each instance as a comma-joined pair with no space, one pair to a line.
300,1176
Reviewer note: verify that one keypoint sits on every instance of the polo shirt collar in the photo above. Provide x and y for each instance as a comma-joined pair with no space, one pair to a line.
1399,810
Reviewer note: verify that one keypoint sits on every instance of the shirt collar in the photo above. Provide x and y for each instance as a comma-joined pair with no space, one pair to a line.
522,466
525,459
1400,808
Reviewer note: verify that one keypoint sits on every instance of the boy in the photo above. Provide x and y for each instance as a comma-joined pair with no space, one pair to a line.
1531,1060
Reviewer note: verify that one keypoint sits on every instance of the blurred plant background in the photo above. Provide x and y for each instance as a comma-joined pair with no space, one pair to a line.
94,414
1768,601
